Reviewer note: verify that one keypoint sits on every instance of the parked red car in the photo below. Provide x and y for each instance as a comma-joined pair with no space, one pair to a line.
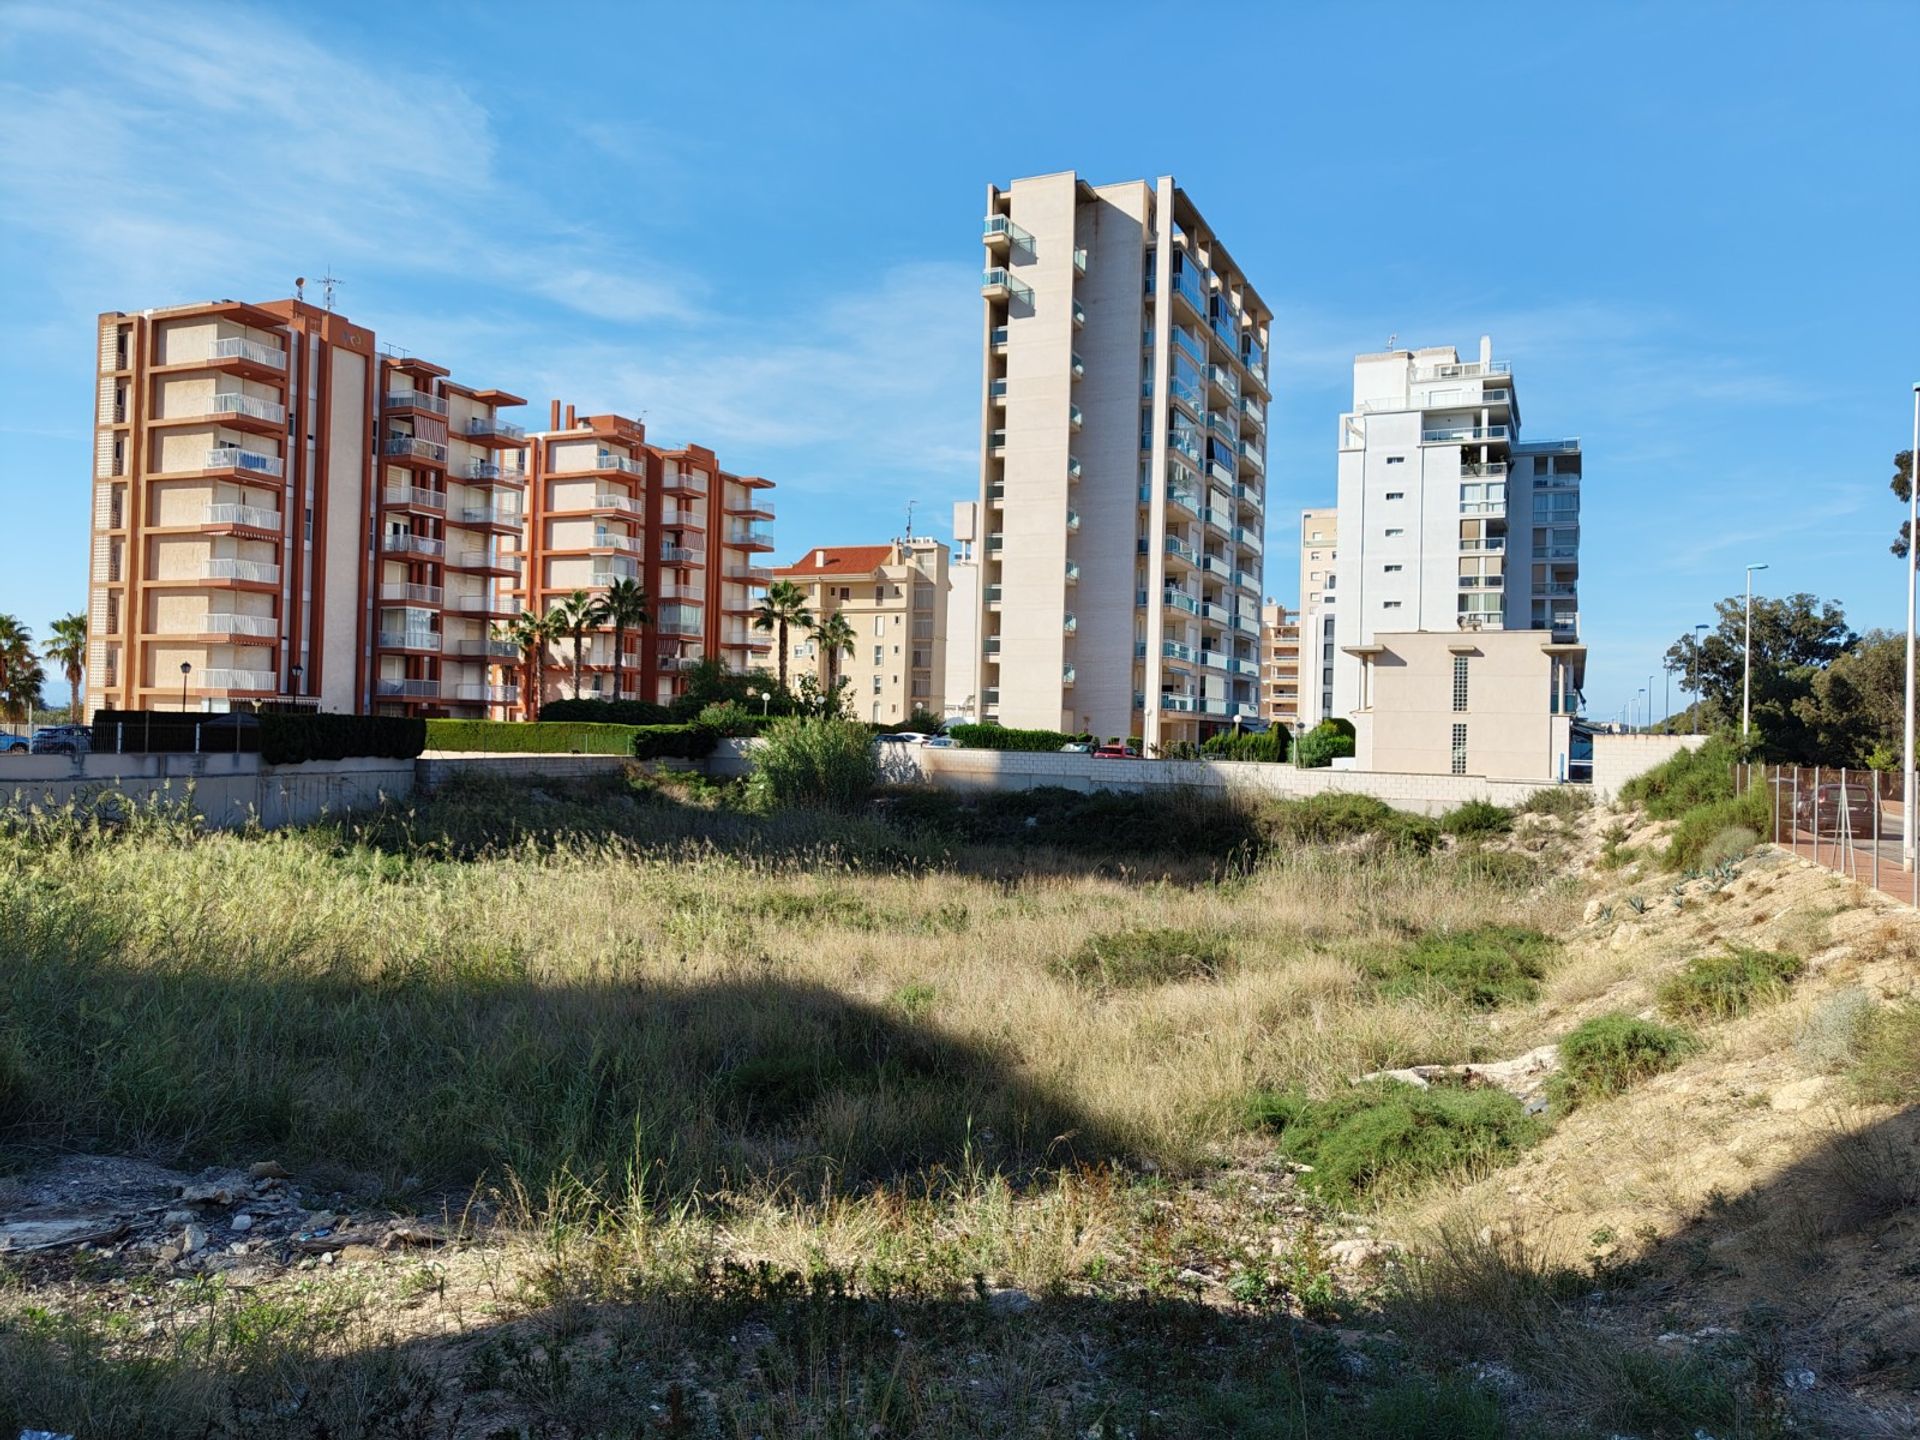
1115,752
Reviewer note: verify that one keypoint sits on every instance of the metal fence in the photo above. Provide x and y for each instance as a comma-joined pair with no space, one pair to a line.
1850,821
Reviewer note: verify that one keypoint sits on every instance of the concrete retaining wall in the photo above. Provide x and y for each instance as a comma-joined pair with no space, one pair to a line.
228,791
1618,758
436,767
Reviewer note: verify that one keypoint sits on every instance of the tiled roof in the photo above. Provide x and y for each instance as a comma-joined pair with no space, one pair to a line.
836,560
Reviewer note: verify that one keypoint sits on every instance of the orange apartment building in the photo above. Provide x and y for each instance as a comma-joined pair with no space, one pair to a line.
280,511
604,505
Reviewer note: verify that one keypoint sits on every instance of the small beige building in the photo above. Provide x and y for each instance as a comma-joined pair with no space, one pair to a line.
1497,703
894,596
1279,665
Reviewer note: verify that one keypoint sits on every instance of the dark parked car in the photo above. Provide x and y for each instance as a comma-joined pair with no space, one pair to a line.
1820,807
62,740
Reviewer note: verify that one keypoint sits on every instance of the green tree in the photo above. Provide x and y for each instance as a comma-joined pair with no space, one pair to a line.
1795,638
783,607
1855,709
625,608
68,650
1902,486
531,633
21,676
577,614
835,638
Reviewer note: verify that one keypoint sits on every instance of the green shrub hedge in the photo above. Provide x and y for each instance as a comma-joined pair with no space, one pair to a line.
674,742
293,738
1326,742
606,712
999,737
1267,747
539,737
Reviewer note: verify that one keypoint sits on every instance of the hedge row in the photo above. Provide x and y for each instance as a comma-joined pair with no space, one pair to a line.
674,742
999,737
1267,747
541,737
290,739
606,712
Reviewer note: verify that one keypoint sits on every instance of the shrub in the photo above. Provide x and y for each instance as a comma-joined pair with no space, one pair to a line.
730,720
1689,779
1562,801
1191,824
1718,987
1889,1068
710,682
1830,1039
673,742
1337,816
920,722
1266,747
1719,826
1383,1135
292,737
1477,817
1126,958
1324,744
999,737
1610,1054
606,712
539,737
814,763
1485,967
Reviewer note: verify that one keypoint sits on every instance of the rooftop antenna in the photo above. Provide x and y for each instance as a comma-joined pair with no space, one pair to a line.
910,505
327,282
1393,340
300,287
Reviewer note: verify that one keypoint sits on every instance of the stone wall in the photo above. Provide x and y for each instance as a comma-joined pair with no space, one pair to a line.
436,767
1618,758
228,791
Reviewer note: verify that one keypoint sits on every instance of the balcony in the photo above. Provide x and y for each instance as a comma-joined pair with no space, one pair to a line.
487,694
245,572
1079,315
495,517
1069,623
1183,703
1079,259
618,504
1247,624
259,681
1214,565
999,234
997,493
1249,453
1074,418
753,507
428,641
1067,676
393,689
418,400
1249,494
1073,572
1073,468
1557,589
409,447
998,284
749,574
484,603
402,542
607,461
1225,381
1077,365
1473,370
491,427
743,537
1177,548
676,663
1073,520
493,471
997,391
997,338
607,540
250,627
232,457
486,649
1248,539
241,517
413,497
992,593
488,562
238,409
1491,545
402,591
684,482
250,352
1466,434
1481,469
1556,482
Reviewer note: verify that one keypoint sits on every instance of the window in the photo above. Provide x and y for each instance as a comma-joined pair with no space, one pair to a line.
1392,533
1393,569
876,684
1459,684
879,624
1396,459
1396,494
879,655
1459,750
1389,604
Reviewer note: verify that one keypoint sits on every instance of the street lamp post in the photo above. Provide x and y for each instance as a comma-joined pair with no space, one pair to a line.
1696,674
1746,656
186,669
1913,533
1649,703
1640,707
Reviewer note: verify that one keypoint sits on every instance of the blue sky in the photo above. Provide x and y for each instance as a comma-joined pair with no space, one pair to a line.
1692,228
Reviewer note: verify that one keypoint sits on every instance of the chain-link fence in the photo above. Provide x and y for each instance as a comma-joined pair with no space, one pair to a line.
1851,821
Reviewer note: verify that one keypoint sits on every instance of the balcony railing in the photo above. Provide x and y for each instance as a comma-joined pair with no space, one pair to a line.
623,504
489,515
607,460
607,540
750,574
417,594
235,403
998,230
493,425
490,560
416,400
416,496
265,627
231,457
487,694
1451,434
410,640
235,348
258,572
747,535
1466,370
682,554
1483,468
413,448
494,470
482,603
224,679
1248,539
407,689
251,516
486,649
401,542
997,283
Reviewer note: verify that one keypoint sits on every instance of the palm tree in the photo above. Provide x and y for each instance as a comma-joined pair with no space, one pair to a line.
835,637
784,605
68,650
624,607
531,633
577,614
20,672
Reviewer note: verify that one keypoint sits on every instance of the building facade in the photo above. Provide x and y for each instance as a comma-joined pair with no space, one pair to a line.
605,506
1280,665
1123,459
1319,552
894,598
1451,525
960,656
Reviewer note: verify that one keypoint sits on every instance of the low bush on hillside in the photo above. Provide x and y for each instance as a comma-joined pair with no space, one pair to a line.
1610,1054
1719,987
1485,967
1477,818
606,712
1692,778
1563,802
1326,742
1000,737
674,742
815,764
1888,1070
1725,828
540,737
1385,1136
731,720
1190,824
1336,816
1125,958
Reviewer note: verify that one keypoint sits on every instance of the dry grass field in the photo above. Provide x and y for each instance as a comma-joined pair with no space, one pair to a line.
1031,1119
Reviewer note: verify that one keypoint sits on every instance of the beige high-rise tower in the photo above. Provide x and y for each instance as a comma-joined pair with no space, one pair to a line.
1123,460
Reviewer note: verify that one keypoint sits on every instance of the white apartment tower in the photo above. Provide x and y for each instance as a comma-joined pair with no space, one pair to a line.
1123,464
960,656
